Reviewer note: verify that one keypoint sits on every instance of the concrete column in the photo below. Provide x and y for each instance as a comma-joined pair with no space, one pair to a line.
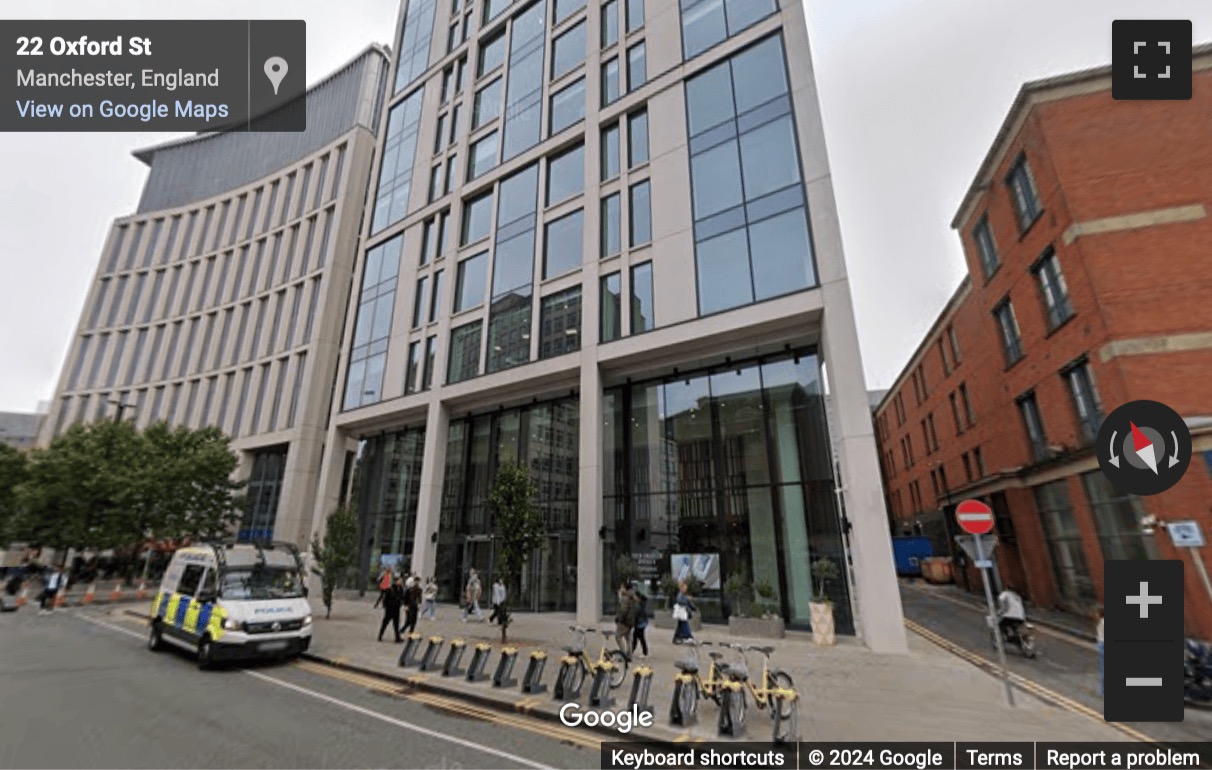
429,501
589,498
328,486
877,596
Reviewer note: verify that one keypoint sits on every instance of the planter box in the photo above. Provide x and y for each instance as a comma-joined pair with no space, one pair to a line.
664,619
822,623
762,628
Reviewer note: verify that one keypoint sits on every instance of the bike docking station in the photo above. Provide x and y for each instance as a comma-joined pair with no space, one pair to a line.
561,690
531,683
641,686
479,661
454,657
503,677
599,691
408,656
431,653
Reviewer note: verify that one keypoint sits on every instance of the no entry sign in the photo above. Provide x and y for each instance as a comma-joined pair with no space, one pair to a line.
974,517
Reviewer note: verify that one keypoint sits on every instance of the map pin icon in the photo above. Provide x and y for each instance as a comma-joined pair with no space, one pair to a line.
275,70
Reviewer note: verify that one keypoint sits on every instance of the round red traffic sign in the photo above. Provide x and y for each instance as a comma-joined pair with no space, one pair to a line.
974,517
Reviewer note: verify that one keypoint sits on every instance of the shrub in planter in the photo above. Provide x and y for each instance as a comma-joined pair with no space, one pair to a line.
824,571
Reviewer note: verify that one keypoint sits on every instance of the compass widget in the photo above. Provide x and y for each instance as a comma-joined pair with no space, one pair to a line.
1144,448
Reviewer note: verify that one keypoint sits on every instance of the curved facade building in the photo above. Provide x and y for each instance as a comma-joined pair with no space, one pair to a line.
221,300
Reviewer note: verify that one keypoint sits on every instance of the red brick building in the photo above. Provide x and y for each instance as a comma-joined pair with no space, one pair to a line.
1088,241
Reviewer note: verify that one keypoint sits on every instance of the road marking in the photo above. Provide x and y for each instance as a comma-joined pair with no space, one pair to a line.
1076,641
361,710
1045,694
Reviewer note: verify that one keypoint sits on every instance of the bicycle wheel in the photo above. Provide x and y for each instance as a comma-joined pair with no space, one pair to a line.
786,720
740,707
619,673
725,725
781,679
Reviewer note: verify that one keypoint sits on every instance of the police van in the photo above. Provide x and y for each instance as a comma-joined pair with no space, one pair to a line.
227,601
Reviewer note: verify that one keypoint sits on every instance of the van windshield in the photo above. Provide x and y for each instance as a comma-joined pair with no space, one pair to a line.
262,583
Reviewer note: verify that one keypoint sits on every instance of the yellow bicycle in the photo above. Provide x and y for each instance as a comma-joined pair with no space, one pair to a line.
689,685
610,668
773,688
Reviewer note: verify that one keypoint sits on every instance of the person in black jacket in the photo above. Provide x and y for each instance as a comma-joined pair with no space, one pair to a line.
393,598
412,603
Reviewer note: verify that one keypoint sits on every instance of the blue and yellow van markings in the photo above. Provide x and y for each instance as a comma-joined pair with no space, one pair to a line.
189,615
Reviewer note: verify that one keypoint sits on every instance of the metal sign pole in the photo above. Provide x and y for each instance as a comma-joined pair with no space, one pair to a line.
997,631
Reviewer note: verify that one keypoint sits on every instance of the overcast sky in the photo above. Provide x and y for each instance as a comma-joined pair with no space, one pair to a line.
912,92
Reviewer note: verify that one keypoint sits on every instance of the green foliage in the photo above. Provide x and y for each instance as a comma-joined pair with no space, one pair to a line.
336,555
739,591
767,600
520,525
669,587
693,585
626,569
14,468
824,571
106,485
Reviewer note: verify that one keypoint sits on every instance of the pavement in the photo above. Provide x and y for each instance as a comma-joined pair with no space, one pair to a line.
1058,620
849,693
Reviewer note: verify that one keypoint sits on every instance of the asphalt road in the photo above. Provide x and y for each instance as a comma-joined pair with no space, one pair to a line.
81,690
1065,664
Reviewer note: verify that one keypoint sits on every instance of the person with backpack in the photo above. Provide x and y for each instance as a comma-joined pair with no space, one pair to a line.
393,598
625,616
385,582
641,622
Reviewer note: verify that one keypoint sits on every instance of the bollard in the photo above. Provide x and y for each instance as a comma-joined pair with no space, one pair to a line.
90,593
503,676
457,648
479,661
431,653
408,654
641,685
680,682
562,689
534,673
116,594
599,690
24,597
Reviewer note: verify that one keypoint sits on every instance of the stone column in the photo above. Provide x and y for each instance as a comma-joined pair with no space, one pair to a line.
429,501
589,498
877,595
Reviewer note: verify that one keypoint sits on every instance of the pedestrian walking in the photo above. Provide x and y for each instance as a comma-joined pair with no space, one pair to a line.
499,595
683,608
641,623
1098,635
412,604
429,597
393,598
471,597
624,617
385,583
54,581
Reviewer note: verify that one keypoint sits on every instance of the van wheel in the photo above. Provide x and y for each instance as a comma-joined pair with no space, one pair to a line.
155,642
206,659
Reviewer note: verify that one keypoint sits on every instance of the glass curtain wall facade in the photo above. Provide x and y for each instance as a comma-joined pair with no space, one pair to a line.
543,437
732,467
264,489
388,488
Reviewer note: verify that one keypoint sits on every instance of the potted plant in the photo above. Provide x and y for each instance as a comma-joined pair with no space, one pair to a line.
824,571
627,569
749,618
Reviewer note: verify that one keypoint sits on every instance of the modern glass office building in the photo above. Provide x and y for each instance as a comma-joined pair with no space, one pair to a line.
220,301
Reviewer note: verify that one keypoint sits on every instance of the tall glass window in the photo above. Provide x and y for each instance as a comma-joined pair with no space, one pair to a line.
611,308
610,152
431,355
414,367
637,138
640,214
464,353
471,282
560,323
568,106
610,81
524,92
492,54
1064,541
487,104
568,51
611,223
562,244
643,313
566,175
388,494
1117,518
413,52
513,271
566,8
477,219
368,356
706,23
399,156
637,67
610,23
483,156
751,226
635,15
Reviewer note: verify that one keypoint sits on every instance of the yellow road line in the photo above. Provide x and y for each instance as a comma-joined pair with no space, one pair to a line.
1045,694
1077,641
585,739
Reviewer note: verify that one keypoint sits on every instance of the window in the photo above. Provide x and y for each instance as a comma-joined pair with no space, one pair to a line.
455,114
464,353
610,152
431,352
955,414
524,91
418,301
562,247
566,8
610,325
921,378
477,219
637,138
1033,421
955,348
431,238
967,467
640,215
979,460
471,282
1086,404
494,8
637,67
986,249
968,412
1064,541
452,171
706,23
611,224
610,81
413,52
925,436
568,106
933,433
487,105
568,51
1052,289
368,356
1117,518
566,175
435,183
435,300
1023,193
414,365
191,578
492,54
399,151
483,156
635,15
1012,344
560,323
610,23
643,315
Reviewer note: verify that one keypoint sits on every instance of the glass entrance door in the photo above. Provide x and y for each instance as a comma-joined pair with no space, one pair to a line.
479,553
551,577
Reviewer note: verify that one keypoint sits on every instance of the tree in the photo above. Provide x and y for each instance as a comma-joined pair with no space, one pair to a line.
14,467
521,527
336,555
